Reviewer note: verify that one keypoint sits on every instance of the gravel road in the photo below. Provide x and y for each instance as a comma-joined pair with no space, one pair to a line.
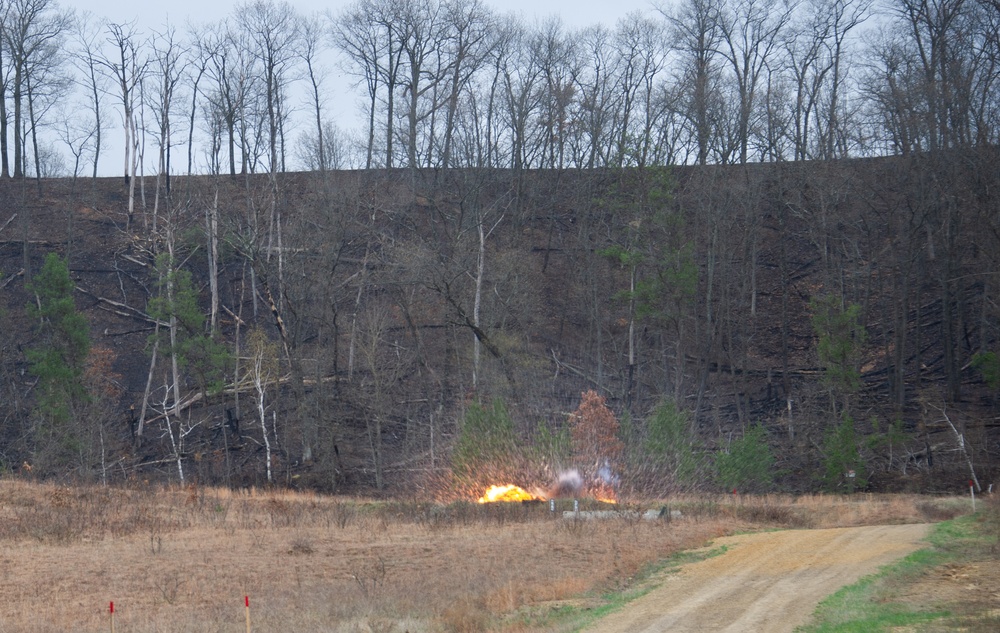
763,583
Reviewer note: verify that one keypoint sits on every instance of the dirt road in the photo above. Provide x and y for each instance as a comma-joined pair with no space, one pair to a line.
763,583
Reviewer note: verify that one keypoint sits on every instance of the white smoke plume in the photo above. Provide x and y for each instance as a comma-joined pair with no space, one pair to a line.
569,483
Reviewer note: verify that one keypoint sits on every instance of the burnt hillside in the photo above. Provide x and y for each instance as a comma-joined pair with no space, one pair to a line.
385,302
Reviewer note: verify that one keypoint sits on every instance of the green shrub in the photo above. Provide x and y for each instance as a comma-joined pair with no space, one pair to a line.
670,442
988,364
57,357
748,465
486,449
552,446
841,459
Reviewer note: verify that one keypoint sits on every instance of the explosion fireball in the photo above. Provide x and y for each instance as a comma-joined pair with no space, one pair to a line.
510,492
568,485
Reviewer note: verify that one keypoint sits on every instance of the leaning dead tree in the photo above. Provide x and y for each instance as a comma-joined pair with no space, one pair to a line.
960,446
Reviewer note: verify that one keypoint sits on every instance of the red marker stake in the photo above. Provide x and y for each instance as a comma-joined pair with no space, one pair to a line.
111,611
246,601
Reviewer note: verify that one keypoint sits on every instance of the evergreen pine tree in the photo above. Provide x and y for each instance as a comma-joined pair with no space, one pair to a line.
197,352
748,465
670,443
486,449
58,359
843,467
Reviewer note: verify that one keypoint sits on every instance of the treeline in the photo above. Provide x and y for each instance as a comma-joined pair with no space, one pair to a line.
460,84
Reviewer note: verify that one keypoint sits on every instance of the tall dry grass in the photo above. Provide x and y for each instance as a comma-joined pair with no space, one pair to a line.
182,559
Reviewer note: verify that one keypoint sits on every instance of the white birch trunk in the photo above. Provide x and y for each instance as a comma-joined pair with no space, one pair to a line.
212,226
259,384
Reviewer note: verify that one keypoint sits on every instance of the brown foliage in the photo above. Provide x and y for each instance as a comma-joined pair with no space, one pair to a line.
101,379
595,434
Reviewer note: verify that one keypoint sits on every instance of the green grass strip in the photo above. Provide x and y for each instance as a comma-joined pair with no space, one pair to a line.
868,606
857,608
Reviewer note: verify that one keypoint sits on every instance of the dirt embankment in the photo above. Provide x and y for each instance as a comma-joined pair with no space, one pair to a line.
768,583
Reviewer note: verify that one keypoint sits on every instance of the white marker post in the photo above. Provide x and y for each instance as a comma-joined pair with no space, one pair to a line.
972,493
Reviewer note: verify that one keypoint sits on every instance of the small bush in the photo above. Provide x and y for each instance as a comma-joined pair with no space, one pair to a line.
988,364
301,545
670,444
487,445
700,509
767,514
943,509
748,466
342,514
843,469
464,617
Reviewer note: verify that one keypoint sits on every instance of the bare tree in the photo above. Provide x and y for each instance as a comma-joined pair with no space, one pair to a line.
417,32
5,80
46,86
231,72
490,148
80,139
366,33
521,78
816,51
262,369
555,55
90,78
892,96
843,16
201,56
271,29
127,66
597,107
696,35
32,31
471,38
383,362
751,35
335,153
945,53
639,42
311,48
168,66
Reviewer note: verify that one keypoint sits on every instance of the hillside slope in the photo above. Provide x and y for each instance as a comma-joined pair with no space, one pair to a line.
388,301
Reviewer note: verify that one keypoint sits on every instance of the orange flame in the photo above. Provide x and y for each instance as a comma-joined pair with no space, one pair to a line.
604,494
510,492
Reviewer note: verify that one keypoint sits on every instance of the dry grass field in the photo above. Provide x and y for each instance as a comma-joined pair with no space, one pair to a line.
177,560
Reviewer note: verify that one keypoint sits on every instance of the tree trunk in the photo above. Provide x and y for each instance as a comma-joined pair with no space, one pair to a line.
212,230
